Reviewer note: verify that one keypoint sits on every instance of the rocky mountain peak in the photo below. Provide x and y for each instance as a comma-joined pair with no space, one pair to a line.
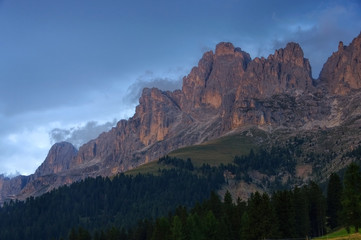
292,53
224,48
341,73
58,159
340,46
286,71
216,75
224,93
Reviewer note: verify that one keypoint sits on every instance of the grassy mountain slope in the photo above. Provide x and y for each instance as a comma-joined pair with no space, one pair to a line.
316,154
214,152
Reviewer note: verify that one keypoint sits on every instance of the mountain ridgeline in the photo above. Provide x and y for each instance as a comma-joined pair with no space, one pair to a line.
227,93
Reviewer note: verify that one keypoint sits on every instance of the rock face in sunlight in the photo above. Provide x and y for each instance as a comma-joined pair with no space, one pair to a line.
342,72
225,92
58,159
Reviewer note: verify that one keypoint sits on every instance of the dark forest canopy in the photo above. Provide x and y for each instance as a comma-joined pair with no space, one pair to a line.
179,203
299,213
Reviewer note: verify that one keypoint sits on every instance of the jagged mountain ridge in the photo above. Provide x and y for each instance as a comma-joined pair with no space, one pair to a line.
225,92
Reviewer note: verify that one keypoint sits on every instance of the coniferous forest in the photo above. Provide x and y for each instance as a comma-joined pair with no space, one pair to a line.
180,203
98,203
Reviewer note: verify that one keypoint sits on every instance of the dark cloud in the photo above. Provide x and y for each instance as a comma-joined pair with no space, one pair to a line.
320,34
80,135
148,80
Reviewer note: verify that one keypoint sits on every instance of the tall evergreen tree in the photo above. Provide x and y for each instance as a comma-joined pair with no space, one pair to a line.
285,212
245,232
302,221
317,210
210,226
194,228
260,218
162,229
334,206
176,229
351,200
215,205
231,218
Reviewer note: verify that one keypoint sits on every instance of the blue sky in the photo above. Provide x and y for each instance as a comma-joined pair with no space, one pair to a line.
71,69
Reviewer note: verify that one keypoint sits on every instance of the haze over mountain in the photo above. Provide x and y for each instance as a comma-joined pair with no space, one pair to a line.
227,93
66,64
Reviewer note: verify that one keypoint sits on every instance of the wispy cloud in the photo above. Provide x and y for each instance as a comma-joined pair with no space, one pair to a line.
80,134
149,80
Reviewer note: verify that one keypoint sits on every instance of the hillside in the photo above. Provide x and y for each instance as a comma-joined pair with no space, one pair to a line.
180,201
227,93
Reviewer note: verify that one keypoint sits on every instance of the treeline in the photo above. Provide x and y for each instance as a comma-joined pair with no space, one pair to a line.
287,214
298,213
143,207
177,162
98,203
268,162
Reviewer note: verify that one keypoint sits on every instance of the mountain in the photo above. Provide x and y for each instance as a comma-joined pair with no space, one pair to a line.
227,93
342,72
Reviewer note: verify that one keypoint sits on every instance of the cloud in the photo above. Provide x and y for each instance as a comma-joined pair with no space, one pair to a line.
24,150
80,134
320,33
25,141
148,80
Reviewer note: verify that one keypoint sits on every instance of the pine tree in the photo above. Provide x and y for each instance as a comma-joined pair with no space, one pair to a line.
334,206
285,212
302,221
215,205
210,226
260,218
245,232
162,229
351,201
231,218
176,229
317,210
194,228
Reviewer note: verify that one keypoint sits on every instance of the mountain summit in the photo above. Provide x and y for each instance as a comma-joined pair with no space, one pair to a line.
226,92
342,71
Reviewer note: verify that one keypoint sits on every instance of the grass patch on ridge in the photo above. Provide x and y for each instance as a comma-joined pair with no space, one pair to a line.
221,150
214,152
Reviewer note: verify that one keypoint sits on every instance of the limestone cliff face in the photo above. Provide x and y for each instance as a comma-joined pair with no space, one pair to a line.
226,91
216,75
58,159
286,71
342,72
228,81
126,145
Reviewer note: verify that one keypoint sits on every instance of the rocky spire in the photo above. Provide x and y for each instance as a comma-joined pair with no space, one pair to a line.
342,71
